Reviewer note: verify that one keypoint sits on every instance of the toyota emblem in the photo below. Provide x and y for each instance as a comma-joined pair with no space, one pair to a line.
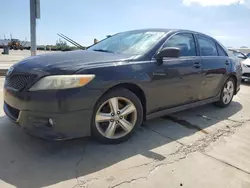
10,70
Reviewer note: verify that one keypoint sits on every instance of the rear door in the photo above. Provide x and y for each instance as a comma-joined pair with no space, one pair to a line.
214,62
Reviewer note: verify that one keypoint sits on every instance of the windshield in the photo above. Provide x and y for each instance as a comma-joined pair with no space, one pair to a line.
131,42
239,55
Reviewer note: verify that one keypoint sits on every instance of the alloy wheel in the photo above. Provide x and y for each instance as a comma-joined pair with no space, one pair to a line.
228,92
116,117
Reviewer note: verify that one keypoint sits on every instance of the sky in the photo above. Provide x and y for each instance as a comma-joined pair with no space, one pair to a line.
83,20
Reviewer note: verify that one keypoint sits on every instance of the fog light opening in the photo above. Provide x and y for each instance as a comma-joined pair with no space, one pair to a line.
51,122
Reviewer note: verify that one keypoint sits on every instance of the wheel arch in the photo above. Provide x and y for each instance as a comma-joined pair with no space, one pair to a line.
235,82
137,90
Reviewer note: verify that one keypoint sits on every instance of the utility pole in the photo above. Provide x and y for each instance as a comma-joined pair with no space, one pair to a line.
34,14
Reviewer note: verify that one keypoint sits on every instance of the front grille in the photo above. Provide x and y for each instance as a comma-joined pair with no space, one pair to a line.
18,82
246,74
13,113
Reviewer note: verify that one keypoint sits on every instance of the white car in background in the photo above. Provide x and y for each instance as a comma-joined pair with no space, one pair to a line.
245,63
245,69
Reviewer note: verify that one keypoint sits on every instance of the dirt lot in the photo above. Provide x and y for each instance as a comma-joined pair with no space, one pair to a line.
206,147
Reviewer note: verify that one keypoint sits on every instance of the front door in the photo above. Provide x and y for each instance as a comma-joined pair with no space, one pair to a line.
179,79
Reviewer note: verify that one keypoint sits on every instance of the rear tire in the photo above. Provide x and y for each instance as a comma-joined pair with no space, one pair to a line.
111,124
227,93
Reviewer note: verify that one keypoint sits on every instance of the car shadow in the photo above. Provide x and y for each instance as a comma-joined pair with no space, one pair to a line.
202,119
26,161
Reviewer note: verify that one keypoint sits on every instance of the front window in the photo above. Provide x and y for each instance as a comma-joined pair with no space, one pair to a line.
131,42
185,42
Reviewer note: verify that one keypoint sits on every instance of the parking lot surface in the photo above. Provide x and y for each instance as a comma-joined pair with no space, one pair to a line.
204,147
16,55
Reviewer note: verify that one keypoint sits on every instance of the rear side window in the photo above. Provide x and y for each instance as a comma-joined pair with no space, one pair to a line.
207,46
185,42
221,51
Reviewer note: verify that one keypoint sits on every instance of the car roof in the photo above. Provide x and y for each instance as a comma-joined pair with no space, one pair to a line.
168,30
171,31
154,29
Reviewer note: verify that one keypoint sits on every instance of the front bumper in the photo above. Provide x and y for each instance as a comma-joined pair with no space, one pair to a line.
245,76
69,110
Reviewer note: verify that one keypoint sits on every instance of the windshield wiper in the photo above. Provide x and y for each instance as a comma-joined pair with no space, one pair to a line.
101,50
71,41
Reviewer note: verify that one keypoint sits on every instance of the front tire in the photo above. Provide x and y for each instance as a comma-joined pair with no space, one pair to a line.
116,116
227,93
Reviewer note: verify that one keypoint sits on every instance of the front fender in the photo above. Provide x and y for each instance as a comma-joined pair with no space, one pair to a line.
137,73
119,73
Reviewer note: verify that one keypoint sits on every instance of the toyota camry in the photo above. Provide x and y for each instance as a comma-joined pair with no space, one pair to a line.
108,90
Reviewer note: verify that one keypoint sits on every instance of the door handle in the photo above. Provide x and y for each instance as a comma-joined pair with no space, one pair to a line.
197,65
227,63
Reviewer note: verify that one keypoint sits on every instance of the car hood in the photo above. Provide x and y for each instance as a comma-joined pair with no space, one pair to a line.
69,62
247,61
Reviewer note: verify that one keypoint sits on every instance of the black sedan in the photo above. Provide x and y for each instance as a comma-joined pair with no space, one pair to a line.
108,90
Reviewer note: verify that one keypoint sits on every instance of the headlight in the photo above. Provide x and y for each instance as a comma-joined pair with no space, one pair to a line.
62,82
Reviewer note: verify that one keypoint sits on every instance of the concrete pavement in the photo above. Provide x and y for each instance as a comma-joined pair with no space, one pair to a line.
1,85
204,147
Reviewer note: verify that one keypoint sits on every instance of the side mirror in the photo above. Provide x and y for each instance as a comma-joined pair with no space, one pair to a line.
167,52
